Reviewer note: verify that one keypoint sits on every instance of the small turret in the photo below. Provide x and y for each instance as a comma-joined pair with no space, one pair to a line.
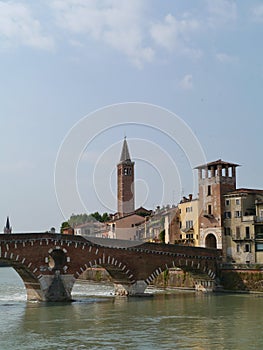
7,228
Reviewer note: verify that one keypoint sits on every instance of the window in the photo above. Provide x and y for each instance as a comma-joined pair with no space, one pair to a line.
209,190
209,209
127,171
259,247
227,202
238,232
189,236
227,214
247,248
247,232
238,214
180,224
189,209
227,231
238,201
238,248
189,224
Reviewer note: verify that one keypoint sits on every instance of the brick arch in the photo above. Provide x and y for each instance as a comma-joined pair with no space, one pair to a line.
29,279
189,264
116,268
132,266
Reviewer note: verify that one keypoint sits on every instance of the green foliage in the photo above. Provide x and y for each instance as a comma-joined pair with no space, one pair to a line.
79,219
101,218
64,225
105,217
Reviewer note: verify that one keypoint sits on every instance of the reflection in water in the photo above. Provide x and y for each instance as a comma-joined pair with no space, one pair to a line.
174,320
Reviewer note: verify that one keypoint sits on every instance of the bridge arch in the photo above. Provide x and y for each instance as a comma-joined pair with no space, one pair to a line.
49,264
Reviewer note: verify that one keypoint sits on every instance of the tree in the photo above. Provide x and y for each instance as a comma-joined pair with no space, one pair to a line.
80,219
64,225
101,218
105,217
96,216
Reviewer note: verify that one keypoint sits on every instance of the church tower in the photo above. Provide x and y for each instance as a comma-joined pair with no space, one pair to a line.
7,228
125,182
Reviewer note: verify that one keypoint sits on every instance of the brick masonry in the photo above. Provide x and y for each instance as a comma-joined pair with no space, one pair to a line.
41,258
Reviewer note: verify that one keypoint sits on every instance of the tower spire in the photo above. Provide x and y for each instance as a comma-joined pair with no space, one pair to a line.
125,154
7,228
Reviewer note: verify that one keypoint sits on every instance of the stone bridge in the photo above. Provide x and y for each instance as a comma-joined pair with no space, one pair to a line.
50,263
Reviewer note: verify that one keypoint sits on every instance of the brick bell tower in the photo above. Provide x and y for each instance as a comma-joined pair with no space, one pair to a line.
125,184
215,180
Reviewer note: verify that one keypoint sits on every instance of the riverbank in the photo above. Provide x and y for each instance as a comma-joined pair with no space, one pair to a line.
172,278
233,279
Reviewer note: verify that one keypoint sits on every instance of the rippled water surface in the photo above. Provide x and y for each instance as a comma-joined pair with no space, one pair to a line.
98,320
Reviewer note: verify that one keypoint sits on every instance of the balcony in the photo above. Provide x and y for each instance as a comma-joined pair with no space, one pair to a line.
248,218
238,238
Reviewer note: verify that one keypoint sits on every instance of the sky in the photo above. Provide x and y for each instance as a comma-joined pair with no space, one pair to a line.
182,80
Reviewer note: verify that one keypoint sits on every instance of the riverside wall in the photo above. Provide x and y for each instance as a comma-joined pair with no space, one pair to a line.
172,278
232,278
242,277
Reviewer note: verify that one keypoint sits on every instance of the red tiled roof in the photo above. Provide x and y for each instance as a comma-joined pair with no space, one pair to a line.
245,190
216,162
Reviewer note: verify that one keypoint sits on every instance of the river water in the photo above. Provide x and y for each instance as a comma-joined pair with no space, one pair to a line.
98,320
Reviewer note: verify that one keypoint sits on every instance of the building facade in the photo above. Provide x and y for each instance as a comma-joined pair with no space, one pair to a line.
91,229
243,224
126,227
188,221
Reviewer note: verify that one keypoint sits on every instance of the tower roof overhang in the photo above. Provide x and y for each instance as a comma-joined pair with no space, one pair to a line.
216,163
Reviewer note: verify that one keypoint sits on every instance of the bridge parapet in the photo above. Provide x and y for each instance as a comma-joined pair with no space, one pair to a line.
49,264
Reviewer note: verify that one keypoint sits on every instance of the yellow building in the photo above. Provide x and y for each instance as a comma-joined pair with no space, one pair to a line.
188,222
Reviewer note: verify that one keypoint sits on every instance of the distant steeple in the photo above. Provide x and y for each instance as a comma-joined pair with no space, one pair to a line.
7,228
125,155
125,181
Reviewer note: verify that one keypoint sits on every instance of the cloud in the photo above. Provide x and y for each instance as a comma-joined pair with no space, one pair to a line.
119,24
221,11
225,58
257,13
187,82
19,27
173,34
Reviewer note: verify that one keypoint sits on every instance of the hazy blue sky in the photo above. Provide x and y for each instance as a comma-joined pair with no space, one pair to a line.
62,60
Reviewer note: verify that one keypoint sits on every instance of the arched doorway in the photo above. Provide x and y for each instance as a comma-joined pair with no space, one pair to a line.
210,241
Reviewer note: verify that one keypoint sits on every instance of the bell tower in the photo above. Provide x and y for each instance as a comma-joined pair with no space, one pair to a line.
215,180
125,181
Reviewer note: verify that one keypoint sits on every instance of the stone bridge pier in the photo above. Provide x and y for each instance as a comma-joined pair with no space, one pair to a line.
49,264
